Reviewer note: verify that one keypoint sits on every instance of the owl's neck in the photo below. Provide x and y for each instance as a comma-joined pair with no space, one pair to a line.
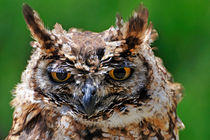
59,124
159,127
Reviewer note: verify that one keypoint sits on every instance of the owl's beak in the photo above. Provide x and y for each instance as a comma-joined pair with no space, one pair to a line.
88,99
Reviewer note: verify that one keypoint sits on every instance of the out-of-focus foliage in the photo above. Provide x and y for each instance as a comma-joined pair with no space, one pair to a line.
184,45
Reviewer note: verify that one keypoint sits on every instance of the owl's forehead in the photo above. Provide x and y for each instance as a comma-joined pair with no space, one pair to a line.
84,48
86,39
78,42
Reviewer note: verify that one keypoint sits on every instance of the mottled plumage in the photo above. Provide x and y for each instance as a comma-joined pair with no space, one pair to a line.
87,85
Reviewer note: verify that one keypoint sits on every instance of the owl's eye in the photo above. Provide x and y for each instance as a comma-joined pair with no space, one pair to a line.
60,76
120,74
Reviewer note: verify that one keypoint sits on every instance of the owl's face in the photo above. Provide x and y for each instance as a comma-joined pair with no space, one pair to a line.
92,76
84,74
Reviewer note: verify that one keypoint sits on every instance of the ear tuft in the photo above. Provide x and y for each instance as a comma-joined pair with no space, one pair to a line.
136,31
36,26
137,24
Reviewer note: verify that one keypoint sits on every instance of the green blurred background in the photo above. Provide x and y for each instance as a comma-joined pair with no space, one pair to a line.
184,45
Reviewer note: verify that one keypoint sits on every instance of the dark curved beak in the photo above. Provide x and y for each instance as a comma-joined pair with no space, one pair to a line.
88,99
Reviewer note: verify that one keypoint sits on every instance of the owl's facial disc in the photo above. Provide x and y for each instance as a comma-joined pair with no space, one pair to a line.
90,72
92,93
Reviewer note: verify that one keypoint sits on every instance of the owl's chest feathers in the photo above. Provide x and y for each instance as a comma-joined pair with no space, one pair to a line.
59,126
51,126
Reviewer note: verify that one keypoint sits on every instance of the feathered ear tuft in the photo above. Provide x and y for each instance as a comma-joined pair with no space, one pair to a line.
136,31
36,27
137,24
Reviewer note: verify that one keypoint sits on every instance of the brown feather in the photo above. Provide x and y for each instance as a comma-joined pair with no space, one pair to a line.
36,26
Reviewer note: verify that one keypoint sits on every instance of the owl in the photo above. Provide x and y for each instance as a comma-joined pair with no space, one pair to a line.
87,85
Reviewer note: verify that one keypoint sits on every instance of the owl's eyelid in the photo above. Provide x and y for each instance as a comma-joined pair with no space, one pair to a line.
129,65
57,70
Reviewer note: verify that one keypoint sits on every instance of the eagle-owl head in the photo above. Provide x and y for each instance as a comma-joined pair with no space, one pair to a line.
111,78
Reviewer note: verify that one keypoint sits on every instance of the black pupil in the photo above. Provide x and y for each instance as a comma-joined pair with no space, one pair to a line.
119,73
61,76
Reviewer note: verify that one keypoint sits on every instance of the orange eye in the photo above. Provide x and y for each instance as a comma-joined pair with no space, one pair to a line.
60,77
120,74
